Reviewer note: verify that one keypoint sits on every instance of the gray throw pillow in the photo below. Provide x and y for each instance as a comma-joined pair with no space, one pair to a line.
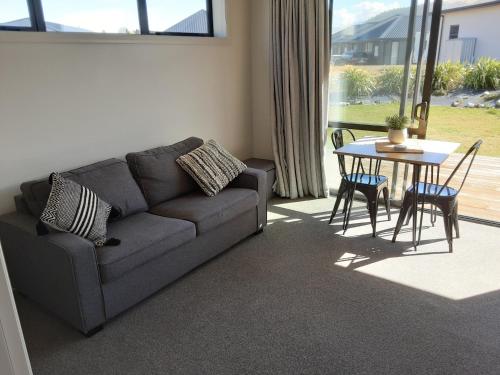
211,166
76,209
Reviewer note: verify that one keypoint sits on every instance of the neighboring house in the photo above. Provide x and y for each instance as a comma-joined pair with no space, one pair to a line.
194,24
470,32
467,33
51,26
383,37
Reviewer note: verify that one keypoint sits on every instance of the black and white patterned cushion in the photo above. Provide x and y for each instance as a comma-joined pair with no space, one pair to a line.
76,209
211,166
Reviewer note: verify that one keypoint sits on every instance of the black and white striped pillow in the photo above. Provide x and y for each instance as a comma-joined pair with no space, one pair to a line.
76,209
211,166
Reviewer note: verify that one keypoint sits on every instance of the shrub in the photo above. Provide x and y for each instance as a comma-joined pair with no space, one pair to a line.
390,81
358,82
397,122
484,75
447,77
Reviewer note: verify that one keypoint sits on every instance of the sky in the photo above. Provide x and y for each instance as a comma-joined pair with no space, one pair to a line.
113,15
105,15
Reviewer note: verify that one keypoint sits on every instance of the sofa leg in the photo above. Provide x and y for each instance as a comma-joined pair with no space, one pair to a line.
260,230
93,331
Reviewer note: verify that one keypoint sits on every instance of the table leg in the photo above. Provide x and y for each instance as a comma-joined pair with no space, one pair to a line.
414,208
423,203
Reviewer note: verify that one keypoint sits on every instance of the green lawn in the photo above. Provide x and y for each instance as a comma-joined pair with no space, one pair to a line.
460,125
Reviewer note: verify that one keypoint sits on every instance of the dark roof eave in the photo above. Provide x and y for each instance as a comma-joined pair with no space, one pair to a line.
472,6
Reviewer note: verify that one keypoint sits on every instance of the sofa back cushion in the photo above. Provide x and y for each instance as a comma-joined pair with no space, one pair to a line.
158,174
110,179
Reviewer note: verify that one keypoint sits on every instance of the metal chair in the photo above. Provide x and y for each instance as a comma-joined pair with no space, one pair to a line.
443,197
370,184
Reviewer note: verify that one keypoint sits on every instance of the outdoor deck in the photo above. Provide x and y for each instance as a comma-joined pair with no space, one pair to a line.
480,196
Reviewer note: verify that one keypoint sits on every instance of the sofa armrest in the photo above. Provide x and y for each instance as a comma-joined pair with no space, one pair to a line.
58,270
255,179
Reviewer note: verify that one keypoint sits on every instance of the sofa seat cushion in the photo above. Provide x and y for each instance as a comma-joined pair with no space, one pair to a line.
209,212
143,237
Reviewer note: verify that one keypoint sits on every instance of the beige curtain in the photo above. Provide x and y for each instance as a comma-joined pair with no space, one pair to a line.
300,49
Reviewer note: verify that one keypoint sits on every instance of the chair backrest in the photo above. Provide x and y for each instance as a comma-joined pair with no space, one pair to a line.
338,142
470,154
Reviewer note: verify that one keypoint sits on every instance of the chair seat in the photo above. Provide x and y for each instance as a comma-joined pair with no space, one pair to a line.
143,237
209,212
366,179
431,190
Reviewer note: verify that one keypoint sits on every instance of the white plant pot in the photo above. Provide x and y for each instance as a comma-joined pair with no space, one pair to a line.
398,136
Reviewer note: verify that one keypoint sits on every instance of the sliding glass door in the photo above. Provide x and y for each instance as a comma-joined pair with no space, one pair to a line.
383,56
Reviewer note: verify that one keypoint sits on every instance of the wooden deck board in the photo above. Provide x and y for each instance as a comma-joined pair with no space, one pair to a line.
480,196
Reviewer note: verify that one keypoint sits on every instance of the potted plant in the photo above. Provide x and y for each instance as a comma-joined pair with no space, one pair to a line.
398,132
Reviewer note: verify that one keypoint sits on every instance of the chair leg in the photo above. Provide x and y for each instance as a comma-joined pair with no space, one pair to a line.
387,201
448,222
372,211
433,214
346,202
375,212
448,226
344,208
340,194
402,214
408,218
455,221
347,207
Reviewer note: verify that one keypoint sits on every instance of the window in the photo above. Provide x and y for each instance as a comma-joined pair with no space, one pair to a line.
15,15
91,16
160,17
178,17
368,80
454,31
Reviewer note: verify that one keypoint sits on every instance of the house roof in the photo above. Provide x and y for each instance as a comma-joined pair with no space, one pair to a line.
51,26
392,24
196,23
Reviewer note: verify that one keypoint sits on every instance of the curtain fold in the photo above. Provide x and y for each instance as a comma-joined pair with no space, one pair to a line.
300,49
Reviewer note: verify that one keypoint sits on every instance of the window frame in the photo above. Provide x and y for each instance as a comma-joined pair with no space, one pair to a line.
36,17
454,35
38,24
429,72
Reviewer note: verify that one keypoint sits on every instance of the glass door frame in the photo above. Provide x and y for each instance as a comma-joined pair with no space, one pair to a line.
420,112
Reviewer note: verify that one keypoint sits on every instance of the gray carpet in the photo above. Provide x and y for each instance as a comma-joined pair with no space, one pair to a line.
301,298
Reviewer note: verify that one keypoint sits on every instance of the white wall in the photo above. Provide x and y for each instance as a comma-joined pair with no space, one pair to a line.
68,100
480,23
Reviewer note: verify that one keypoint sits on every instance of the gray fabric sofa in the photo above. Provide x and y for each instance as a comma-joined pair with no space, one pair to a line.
166,224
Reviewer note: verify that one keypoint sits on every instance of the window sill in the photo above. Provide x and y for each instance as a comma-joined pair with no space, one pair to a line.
90,38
